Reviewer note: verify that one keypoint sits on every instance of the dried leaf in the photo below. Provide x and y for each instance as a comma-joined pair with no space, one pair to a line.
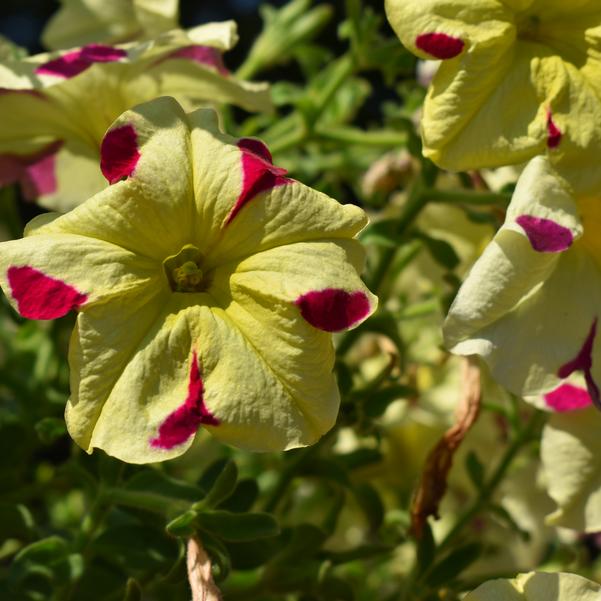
433,484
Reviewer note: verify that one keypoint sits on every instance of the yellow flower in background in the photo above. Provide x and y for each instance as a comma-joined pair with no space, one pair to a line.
80,22
517,77
538,586
207,284
531,304
61,104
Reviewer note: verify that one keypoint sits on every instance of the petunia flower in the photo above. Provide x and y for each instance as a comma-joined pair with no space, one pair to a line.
517,77
80,22
207,285
61,104
570,455
531,304
538,586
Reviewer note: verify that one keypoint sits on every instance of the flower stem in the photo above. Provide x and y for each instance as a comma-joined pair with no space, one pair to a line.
469,197
352,135
415,203
524,436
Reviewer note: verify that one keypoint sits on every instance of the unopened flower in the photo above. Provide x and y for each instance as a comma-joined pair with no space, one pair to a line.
531,304
516,78
80,22
207,283
61,104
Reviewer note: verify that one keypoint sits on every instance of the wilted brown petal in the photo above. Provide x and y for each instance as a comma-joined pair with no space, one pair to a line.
433,484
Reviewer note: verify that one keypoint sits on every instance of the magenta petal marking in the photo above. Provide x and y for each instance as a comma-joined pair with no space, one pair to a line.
75,62
545,235
258,173
35,172
183,423
440,45
333,309
554,133
256,147
119,153
203,55
39,296
568,397
101,53
584,362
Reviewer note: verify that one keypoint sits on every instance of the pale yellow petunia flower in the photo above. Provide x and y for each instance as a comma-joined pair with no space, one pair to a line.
207,284
80,22
531,304
517,78
538,586
61,104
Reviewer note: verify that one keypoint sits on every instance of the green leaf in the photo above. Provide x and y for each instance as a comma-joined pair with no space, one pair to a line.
382,233
359,458
136,548
154,482
358,553
345,103
285,28
244,496
182,525
47,560
378,401
44,550
450,568
50,429
236,527
219,554
426,548
371,504
249,555
16,521
441,251
328,469
222,488
507,519
475,469
303,541
336,588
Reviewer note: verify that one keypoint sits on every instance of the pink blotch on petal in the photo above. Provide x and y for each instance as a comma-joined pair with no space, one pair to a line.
35,172
440,45
258,173
583,362
568,397
333,309
119,153
101,53
544,234
203,55
553,132
75,62
183,423
39,296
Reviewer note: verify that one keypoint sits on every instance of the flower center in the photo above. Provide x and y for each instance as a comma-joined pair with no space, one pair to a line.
529,28
184,271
